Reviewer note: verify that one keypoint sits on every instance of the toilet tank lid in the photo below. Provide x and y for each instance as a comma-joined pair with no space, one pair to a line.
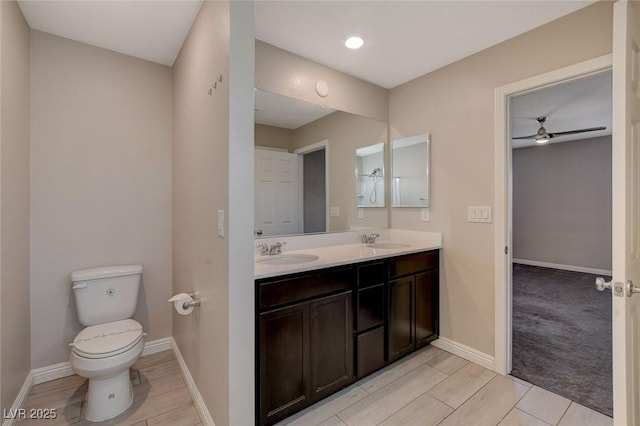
105,272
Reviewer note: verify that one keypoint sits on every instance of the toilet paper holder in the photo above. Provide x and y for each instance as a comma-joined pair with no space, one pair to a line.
191,303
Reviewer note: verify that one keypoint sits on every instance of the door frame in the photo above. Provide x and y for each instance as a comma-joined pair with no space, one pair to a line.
323,144
503,239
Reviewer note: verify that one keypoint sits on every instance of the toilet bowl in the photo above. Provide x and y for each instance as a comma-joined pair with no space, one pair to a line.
106,299
103,354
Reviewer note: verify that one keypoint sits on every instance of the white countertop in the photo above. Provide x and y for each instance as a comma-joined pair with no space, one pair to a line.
340,249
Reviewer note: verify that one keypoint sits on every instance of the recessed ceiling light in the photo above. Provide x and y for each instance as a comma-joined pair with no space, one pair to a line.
354,42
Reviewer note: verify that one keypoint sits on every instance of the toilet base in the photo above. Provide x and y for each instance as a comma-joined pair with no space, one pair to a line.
107,398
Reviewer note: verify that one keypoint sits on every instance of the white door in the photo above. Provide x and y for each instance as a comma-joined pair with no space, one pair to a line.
277,194
626,213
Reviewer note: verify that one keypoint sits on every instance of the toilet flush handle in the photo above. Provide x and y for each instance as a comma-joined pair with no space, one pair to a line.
79,286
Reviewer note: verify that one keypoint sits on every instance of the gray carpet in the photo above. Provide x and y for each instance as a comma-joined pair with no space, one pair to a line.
562,335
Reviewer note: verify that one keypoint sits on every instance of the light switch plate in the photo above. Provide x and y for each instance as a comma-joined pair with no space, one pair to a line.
425,215
360,213
479,214
221,223
334,211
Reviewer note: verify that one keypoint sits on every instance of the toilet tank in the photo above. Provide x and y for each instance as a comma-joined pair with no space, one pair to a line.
106,294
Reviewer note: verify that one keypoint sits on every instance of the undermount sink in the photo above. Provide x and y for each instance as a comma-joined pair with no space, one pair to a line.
388,246
287,259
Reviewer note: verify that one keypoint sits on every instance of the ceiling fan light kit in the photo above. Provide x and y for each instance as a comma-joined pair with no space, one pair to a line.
542,136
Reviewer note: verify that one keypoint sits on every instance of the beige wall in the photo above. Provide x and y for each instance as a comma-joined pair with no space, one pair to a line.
273,137
100,182
14,202
200,188
456,104
284,73
345,133
562,203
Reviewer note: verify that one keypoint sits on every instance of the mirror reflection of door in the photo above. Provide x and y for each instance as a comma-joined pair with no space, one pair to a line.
277,193
291,193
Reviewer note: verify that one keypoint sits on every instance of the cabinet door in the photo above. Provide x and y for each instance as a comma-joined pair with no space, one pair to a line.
284,362
426,308
331,344
400,318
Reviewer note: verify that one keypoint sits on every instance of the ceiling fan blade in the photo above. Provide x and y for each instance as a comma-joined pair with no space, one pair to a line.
573,132
525,137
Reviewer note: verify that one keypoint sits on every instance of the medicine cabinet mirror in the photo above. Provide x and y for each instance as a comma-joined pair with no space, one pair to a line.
370,176
410,159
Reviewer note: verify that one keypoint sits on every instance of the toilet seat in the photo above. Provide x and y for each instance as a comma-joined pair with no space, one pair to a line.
107,340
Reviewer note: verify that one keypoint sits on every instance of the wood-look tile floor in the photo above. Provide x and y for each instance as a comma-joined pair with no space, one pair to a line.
429,387
160,397
434,387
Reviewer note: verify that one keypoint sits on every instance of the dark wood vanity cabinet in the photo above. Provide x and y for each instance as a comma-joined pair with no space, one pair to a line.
305,346
319,331
413,303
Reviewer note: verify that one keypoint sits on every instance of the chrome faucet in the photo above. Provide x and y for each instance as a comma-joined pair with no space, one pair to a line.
368,238
270,250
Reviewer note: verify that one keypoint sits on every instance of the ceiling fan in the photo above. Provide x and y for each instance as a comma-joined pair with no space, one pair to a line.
542,136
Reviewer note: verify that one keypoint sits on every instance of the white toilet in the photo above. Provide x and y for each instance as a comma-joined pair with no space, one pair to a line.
106,299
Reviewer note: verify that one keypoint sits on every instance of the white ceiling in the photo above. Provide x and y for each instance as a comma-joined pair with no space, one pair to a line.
574,105
403,39
151,30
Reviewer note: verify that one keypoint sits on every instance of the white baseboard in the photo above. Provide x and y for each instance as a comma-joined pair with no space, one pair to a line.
563,267
52,372
198,402
20,399
63,369
463,351
158,345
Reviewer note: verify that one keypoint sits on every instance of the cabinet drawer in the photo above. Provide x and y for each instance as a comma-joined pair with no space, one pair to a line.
280,291
413,263
371,274
370,347
370,307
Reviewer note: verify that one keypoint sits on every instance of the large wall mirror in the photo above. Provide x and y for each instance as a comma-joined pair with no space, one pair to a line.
304,168
410,159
